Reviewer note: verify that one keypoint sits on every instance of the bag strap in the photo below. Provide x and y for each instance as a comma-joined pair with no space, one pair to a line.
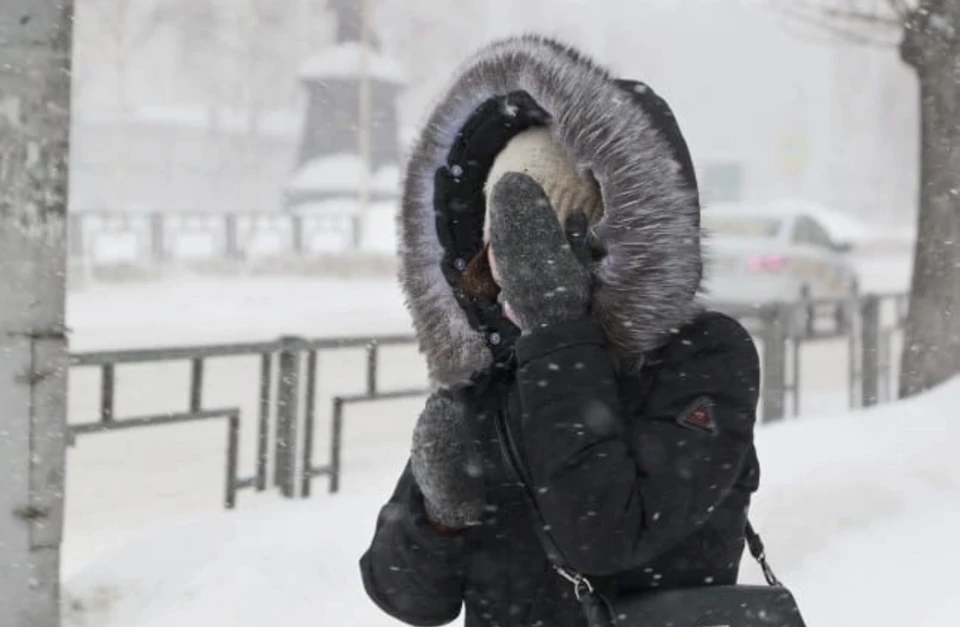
759,553
582,586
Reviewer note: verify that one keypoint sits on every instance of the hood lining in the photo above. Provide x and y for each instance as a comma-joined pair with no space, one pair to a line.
647,283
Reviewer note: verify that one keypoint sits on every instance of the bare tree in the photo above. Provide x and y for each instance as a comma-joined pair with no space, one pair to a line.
429,39
123,28
243,58
34,146
196,26
256,45
928,35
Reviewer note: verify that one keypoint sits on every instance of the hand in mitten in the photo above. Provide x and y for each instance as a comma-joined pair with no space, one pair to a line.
541,279
446,463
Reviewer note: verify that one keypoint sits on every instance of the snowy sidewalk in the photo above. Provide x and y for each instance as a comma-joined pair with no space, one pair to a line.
195,310
859,513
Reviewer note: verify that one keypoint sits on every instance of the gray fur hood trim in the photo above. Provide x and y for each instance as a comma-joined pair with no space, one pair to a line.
648,281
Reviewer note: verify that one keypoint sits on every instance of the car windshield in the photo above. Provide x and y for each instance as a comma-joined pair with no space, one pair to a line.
742,226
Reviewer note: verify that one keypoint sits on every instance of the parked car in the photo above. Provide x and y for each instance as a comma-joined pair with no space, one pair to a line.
758,254
867,238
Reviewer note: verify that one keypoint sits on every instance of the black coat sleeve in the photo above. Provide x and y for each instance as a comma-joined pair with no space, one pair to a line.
617,481
412,571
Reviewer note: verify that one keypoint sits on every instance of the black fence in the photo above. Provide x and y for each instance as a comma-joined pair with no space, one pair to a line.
786,330
288,403
278,405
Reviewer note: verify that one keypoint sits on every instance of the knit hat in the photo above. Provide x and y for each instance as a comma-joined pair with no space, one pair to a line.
537,153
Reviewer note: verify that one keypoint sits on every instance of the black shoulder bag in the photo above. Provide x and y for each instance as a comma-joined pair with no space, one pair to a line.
735,605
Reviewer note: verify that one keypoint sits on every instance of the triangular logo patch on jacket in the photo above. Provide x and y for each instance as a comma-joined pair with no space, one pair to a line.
699,416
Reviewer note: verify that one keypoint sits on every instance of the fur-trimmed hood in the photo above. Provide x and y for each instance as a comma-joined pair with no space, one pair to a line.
647,282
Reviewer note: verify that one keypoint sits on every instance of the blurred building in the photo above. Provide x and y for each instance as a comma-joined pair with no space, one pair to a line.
769,110
180,159
329,165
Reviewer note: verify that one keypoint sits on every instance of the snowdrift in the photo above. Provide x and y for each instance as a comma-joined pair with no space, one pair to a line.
858,512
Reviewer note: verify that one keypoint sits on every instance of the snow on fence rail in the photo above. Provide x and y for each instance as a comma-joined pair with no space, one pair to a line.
104,239
288,381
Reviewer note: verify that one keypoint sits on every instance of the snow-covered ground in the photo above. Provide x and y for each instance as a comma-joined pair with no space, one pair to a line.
858,512
211,310
123,483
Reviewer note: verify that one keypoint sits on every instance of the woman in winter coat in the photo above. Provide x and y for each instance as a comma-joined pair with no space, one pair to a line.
551,259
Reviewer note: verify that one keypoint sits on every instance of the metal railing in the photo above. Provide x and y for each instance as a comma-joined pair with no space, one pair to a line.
869,349
292,353
333,468
232,416
279,408
107,362
874,345
870,371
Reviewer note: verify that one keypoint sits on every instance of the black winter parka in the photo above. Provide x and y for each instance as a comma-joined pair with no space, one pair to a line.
643,480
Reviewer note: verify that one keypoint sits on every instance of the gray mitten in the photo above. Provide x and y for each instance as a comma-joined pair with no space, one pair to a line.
446,462
541,278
